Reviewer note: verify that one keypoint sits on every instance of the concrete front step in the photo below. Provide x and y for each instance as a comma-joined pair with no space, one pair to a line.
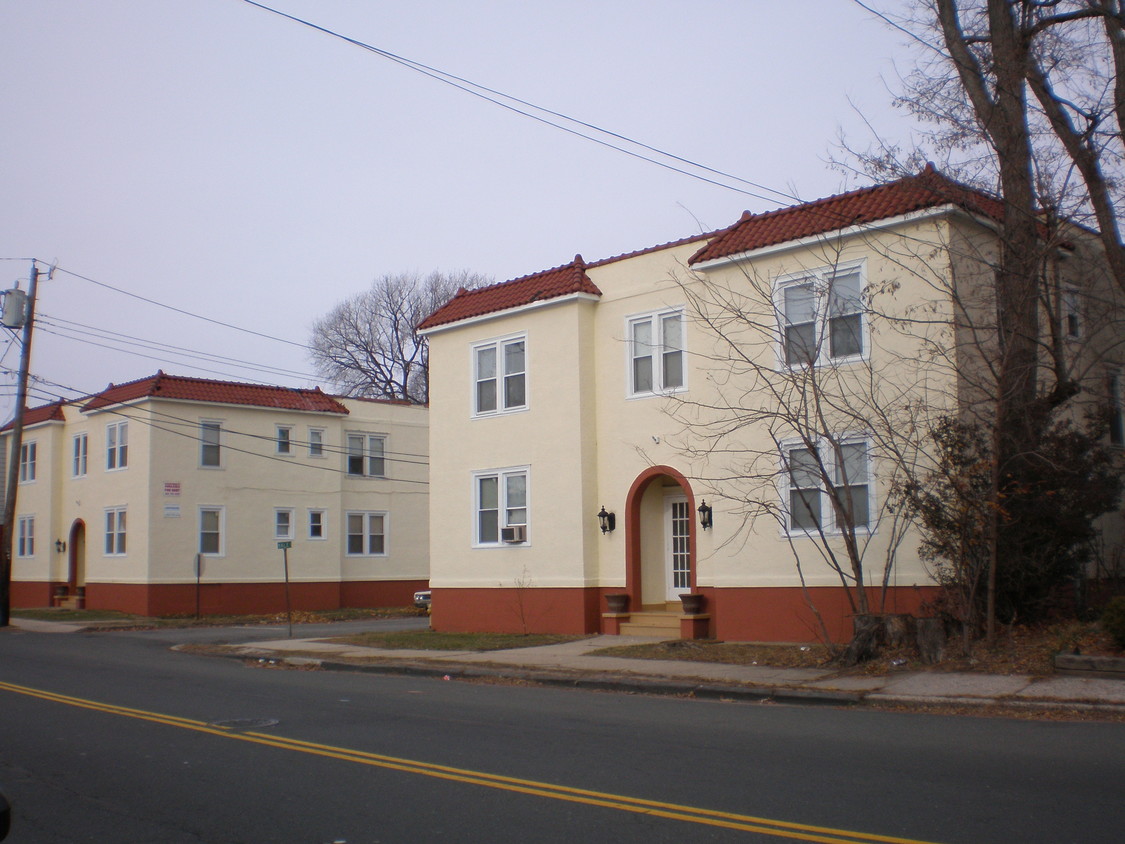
652,623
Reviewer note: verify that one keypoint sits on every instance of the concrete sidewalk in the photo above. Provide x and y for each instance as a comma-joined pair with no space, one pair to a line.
571,664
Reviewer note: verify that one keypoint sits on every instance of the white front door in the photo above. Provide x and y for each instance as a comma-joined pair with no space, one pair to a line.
677,546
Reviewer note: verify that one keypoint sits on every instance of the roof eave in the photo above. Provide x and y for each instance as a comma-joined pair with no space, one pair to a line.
529,306
804,242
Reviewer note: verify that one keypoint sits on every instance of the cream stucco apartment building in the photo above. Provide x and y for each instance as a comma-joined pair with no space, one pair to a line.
154,495
640,426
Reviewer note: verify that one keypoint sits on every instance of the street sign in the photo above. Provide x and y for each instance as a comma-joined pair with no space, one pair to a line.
283,545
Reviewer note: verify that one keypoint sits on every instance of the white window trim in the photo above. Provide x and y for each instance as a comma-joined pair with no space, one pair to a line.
80,457
283,445
827,511
222,511
367,514
319,452
25,534
277,534
119,448
218,443
655,318
502,507
29,460
366,453
323,524
117,513
820,278
498,344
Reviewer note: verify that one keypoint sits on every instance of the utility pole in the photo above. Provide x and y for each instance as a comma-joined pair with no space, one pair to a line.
14,454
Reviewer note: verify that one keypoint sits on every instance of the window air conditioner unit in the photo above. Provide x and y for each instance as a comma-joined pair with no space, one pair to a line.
516,533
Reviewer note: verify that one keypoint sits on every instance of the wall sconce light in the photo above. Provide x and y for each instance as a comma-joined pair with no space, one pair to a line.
60,546
705,515
606,521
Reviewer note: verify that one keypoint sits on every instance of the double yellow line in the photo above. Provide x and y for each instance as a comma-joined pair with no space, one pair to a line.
653,808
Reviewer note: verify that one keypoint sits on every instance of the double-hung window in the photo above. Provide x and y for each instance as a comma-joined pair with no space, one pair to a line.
501,506
316,442
211,531
656,353
283,524
316,524
25,536
367,534
809,500
1071,314
28,454
80,454
115,531
284,439
210,455
367,456
500,376
822,317
117,445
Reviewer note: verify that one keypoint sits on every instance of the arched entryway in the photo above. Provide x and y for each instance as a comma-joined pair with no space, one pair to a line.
76,559
660,538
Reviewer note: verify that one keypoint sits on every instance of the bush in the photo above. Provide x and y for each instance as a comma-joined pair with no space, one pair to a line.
1113,620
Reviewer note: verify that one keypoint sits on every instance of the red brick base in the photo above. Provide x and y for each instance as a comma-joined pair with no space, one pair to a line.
227,598
737,615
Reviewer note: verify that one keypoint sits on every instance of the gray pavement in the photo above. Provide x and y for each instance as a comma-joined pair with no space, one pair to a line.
572,663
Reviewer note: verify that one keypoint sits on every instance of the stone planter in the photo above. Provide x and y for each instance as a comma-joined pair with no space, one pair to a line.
693,603
617,602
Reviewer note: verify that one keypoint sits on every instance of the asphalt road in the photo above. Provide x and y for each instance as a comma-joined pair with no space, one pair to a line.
111,737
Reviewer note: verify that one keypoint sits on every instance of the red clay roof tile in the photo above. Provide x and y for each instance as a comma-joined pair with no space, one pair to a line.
549,284
221,392
43,413
928,189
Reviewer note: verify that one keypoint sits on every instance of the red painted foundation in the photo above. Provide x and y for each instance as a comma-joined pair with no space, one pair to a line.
737,615
227,598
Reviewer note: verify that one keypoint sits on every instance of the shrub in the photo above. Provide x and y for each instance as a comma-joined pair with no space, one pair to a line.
1113,620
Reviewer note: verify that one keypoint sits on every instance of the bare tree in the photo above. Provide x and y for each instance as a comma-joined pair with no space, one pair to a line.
368,345
1024,98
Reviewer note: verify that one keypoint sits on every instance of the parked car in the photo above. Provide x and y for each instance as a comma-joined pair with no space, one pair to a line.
422,599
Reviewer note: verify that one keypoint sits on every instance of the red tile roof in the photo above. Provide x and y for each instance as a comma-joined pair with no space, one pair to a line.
44,413
928,189
549,284
161,386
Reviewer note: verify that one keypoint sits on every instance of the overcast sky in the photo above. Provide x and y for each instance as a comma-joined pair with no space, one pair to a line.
227,162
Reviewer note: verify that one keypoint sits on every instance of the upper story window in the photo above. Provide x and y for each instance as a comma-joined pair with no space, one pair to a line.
821,316
117,445
316,442
809,501
210,454
284,439
366,455
115,532
28,453
501,507
500,376
80,452
656,353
